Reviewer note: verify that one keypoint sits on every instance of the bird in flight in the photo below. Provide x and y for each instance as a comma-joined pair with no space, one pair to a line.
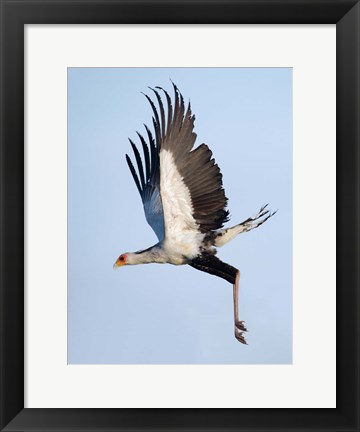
183,197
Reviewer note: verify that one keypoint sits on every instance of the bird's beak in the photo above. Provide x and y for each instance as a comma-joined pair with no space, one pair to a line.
118,264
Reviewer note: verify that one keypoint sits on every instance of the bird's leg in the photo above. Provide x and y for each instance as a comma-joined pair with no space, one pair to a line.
239,325
211,264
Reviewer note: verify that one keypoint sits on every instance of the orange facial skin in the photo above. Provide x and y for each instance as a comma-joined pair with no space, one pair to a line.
120,261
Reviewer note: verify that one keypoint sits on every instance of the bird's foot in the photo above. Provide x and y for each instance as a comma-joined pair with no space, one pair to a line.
241,326
239,331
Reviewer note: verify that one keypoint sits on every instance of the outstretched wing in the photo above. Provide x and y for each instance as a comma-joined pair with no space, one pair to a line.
185,183
190,181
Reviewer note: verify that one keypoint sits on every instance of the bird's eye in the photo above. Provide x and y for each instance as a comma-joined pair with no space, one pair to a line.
121,258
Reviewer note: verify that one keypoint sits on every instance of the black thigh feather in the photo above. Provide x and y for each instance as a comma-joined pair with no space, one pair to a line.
211,264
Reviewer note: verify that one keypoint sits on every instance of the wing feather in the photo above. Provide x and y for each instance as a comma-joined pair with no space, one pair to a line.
170,109
162,112
146,155
148,183
139,164
133,172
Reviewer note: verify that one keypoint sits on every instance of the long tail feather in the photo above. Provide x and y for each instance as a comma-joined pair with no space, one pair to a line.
223,236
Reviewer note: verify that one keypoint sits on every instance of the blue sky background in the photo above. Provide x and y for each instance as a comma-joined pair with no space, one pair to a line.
164,314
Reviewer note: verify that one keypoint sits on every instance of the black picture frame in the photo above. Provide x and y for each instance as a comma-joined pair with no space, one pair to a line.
14,15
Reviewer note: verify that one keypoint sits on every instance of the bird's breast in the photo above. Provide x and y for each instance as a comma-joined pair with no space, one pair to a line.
183,249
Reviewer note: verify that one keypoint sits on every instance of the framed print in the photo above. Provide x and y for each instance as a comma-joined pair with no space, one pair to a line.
100,312
76,354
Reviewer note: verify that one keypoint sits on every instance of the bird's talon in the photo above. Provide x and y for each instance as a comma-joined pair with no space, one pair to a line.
240,336
241,326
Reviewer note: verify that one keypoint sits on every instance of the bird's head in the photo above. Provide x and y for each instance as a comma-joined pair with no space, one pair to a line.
131,258
122,260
